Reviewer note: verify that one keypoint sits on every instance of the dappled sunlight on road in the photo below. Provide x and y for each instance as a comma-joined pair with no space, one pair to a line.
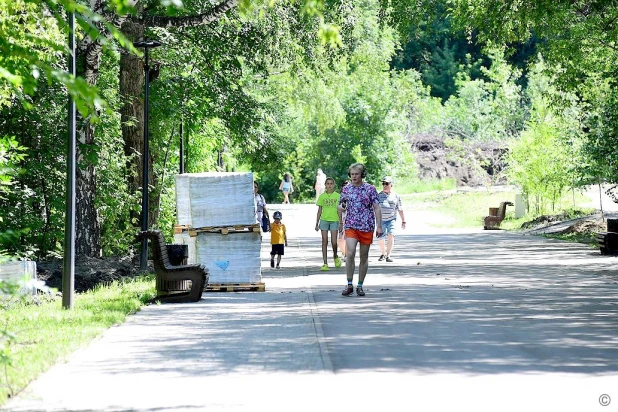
472,301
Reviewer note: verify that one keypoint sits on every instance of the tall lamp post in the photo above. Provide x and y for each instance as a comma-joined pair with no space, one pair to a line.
68,270
146,45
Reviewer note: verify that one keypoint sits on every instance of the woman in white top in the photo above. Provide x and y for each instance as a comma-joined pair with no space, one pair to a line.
286,187
260,204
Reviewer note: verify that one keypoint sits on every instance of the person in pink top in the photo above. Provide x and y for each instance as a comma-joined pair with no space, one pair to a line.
363,216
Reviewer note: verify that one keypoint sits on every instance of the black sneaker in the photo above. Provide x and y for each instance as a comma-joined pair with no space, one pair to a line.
388,259
348,290
272,262
360,291
381,258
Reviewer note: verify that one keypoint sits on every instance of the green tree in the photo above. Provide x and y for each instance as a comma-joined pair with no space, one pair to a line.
440,51
577,40
545,160
350,107
487,110
11,154
220,60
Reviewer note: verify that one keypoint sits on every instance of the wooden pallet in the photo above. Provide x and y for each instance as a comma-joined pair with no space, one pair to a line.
235,287
178,229
224,230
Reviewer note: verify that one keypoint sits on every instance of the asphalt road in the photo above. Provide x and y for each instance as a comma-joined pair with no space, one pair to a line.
461,320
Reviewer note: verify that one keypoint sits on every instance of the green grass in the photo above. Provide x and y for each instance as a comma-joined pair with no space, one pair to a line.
462,208
586,238
37,335
422,186
466,208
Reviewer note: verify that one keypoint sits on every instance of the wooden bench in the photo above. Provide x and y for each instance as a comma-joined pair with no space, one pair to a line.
496,216
171,278
608,243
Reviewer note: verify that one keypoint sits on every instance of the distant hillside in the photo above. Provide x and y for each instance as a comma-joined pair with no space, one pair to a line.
469,165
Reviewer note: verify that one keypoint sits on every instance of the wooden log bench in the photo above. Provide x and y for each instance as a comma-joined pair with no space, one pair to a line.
172,280
496,216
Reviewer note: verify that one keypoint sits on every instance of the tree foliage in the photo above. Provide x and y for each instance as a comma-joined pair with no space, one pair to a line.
292,86
349,107
546,158
577,39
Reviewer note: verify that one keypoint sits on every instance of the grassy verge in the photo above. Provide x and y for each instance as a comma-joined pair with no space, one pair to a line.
587,238
37,335
462,208
422,186
467,208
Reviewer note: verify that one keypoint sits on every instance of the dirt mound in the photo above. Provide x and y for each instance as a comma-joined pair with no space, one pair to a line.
587,226
89,272
579,229
469,165
545,220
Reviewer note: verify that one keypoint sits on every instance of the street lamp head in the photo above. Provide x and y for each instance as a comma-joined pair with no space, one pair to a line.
146,44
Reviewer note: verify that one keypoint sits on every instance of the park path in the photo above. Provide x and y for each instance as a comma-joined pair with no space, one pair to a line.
461,320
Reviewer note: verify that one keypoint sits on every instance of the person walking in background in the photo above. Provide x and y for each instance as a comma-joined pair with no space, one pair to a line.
341,233
278,238
286,187
390,205
360,201
327,220
320,184
261,214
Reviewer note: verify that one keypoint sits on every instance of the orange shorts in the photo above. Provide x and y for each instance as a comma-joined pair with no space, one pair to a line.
364,238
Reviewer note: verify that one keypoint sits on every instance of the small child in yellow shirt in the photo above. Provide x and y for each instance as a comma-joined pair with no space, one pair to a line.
278,238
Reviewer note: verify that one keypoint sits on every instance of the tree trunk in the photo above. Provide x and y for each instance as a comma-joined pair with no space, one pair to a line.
132,112
131,91
87,228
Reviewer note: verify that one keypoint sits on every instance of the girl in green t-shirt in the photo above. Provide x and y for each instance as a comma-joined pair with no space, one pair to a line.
327,220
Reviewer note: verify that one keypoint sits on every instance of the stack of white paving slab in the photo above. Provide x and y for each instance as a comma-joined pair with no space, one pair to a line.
215,199
21,273
217,220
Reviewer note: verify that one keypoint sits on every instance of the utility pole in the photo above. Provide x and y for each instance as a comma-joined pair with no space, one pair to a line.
68,271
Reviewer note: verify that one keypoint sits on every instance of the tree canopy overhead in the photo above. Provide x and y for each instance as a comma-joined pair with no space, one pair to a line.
289,86
579,35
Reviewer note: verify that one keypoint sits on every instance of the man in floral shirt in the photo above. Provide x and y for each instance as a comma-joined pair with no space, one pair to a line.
363,216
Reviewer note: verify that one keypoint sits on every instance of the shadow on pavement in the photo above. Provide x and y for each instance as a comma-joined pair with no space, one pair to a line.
477,303
222,334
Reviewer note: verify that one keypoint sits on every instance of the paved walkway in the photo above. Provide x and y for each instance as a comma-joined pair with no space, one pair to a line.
462,320
599,199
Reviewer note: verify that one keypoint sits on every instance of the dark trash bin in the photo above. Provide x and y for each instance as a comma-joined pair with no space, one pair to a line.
608,243
612,225
178,254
